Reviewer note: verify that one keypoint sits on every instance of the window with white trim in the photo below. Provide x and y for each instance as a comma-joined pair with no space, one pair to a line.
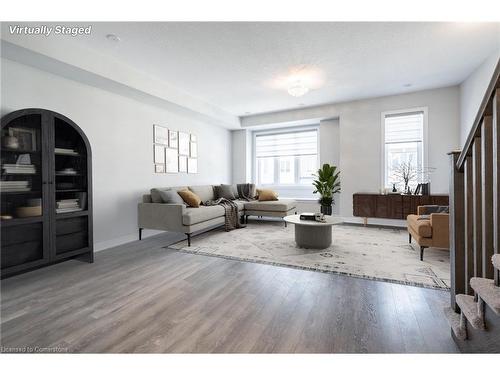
286,158
403,142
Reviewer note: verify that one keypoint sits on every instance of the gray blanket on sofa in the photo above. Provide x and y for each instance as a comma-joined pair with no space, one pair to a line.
231,216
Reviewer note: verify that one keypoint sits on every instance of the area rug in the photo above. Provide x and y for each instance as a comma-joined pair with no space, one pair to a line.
366,252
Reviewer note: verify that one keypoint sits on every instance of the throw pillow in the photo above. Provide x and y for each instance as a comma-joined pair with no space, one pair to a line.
170,196
190,198
224,191
267,195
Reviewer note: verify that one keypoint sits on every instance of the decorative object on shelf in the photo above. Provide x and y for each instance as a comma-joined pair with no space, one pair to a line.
327,183
10,142
26,211
394,190
159,168
26,138
406,173
183,163
172,160
161,135
173,139
192,165
159,154
184,143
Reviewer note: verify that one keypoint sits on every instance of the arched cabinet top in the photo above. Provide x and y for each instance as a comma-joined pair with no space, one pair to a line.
6,119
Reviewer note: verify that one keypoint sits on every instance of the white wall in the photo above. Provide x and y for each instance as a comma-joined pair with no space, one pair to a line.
360,147
120,133
472,91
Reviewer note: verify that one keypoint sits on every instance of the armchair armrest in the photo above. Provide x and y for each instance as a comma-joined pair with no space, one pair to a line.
161,216
440,229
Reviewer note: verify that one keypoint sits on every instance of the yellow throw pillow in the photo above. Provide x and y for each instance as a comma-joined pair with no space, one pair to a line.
191,199
267,195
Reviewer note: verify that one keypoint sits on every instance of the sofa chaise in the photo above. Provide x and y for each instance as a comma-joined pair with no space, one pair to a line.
173,217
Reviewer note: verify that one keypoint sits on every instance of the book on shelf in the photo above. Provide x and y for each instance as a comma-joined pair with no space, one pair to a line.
19,168
14,186
66,210
65,151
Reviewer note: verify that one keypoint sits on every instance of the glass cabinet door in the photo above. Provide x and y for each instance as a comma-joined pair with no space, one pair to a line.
23,188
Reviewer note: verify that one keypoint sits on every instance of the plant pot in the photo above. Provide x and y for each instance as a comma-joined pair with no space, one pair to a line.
326,210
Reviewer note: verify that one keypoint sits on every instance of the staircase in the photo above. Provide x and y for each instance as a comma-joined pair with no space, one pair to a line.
474,313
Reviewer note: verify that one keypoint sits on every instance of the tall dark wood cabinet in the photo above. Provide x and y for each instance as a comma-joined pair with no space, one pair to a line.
45,189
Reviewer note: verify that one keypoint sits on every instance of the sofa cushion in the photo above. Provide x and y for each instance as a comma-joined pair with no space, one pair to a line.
422,227
193,216
190,198
267,195
155,192
281,205
224,191
205,192
170,196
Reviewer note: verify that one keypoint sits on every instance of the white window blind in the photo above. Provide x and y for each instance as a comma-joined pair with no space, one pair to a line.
286,144
286,158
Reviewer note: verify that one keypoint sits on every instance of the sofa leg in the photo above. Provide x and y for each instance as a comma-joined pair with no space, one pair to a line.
285,223
189,238
246,219
409,237
140,234
422,252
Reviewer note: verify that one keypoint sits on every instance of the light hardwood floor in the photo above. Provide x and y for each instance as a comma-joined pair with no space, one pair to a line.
140,297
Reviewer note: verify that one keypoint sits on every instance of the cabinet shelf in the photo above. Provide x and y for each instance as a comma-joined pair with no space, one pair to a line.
30,192
19,151
21,221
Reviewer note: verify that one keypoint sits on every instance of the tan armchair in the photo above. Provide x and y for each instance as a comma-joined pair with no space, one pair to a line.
429,232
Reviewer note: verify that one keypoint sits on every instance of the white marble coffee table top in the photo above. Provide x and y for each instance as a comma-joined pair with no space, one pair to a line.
330,220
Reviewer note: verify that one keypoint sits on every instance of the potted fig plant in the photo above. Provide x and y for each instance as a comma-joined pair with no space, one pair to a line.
326,184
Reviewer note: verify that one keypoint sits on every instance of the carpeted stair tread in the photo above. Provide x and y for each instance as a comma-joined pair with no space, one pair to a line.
454,321
471,310
495,259
488,292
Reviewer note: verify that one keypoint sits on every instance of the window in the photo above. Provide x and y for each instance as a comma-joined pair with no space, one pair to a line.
286,158
403,143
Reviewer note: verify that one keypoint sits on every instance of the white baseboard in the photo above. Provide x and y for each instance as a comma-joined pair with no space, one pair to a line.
103,245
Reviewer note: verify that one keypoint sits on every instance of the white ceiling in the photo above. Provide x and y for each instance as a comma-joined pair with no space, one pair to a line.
239,67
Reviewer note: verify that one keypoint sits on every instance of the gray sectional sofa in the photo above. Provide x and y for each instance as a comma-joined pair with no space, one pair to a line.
154,214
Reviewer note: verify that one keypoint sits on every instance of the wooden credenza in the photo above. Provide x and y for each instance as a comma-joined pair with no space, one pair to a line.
392,206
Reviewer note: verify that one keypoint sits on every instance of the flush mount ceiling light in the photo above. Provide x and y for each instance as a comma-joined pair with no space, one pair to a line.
298,80
298,89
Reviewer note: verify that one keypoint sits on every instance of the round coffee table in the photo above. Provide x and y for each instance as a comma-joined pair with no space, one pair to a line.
312,234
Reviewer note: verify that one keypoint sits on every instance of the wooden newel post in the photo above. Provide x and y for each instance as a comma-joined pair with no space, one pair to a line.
457,229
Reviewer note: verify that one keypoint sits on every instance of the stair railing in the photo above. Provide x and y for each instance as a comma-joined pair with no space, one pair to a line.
475,198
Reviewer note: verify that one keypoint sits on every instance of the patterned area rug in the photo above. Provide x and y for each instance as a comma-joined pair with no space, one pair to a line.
366,252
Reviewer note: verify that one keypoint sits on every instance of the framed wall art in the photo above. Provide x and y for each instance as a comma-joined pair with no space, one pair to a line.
192,165
172,160
184,143
160,135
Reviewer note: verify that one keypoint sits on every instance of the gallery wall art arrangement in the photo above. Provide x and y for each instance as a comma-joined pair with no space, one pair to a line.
174,151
